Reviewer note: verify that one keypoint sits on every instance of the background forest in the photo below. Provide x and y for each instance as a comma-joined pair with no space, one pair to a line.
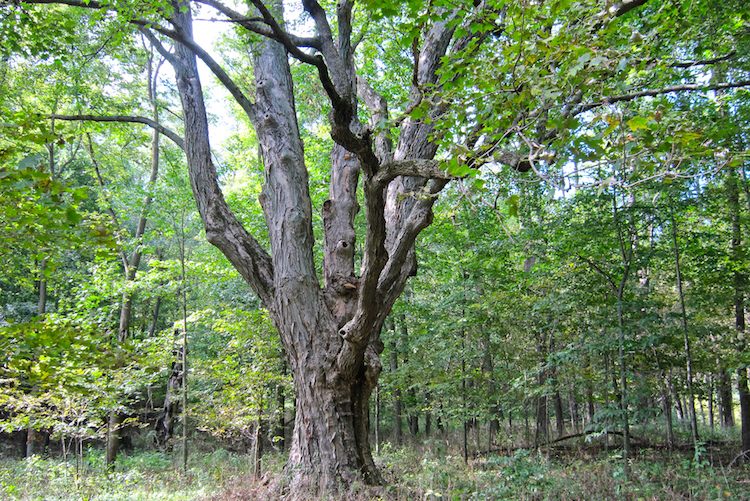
576,329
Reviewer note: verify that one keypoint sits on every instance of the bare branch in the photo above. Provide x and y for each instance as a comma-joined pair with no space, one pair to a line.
328,48
690,64
342,108
656,92
187,40
93,4
166,54
123,119
603,273
344,11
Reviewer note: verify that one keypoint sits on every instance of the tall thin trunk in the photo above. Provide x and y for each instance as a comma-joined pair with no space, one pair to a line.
427,415
626,249
464,412
413,417
541,435
623,380
155,317
667,407
606,397
575,419
280,431
131,266
258,450
686,338
559,413
113,439
183,286
377,419
711,416
590,406
488,369
744,391
677,401
397,440
165,423
724,390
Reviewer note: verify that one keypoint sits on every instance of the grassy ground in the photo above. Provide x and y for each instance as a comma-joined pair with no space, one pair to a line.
145,476
430,471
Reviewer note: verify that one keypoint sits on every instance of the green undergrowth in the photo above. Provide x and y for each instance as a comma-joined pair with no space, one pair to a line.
141,476
426,472
525,475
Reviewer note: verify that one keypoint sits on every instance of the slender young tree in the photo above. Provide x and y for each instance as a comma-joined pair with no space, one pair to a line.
685,333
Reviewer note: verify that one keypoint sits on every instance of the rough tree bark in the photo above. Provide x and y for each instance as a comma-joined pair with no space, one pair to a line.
171,408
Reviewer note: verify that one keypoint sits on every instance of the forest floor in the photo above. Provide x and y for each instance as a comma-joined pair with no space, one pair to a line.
429,471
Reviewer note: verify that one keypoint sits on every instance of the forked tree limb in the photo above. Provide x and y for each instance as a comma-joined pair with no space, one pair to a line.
259,25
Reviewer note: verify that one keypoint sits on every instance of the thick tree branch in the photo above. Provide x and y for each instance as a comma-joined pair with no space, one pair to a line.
93,4
656,92
328,47
156,43
622,8
284,38
419,219
223,229
379,116
344,12
374,254
430,169
124,119
261,28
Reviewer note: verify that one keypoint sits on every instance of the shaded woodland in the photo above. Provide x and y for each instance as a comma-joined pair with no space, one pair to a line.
491,234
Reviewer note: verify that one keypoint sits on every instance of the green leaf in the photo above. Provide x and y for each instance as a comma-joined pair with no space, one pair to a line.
73,216
638,122
30,161
513,205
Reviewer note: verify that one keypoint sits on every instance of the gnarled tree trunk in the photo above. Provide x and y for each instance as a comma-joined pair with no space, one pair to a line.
330,334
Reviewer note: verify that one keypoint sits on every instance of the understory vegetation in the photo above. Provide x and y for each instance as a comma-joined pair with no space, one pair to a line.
425,470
